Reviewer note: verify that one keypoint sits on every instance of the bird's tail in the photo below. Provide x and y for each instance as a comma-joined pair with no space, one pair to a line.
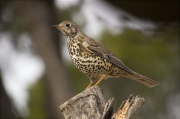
142,79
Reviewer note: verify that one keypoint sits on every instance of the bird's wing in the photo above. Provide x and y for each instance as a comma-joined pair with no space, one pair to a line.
98,49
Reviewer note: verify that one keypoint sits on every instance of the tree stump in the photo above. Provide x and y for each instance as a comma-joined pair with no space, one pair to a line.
90,104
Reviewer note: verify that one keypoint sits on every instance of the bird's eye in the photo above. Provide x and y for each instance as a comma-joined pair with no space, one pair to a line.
68,25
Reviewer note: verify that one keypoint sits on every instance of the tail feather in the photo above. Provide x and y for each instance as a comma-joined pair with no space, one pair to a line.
142,79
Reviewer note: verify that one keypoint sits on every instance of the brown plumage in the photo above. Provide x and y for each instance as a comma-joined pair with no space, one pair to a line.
94,60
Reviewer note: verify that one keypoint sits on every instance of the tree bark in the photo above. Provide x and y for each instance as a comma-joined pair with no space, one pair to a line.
90,104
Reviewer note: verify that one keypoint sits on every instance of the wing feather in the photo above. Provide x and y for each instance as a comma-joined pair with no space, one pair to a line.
95,47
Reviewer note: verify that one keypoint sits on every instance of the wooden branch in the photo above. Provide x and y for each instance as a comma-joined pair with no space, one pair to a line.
90,104
129,108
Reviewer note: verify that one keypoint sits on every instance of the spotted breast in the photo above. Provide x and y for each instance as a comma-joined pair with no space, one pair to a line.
88,63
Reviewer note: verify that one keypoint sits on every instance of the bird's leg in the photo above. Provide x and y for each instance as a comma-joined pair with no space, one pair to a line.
99,81
89,85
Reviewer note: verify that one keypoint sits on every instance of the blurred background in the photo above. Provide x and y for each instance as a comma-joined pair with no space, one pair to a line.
37,74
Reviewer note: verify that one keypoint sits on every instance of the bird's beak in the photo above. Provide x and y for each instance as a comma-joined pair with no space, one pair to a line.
55,26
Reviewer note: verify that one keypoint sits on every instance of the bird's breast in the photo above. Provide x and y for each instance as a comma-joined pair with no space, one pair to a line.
88,63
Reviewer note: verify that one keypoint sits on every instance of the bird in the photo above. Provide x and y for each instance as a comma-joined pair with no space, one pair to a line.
94,60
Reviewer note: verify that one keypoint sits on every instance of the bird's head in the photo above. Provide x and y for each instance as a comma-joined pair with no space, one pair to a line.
68,28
